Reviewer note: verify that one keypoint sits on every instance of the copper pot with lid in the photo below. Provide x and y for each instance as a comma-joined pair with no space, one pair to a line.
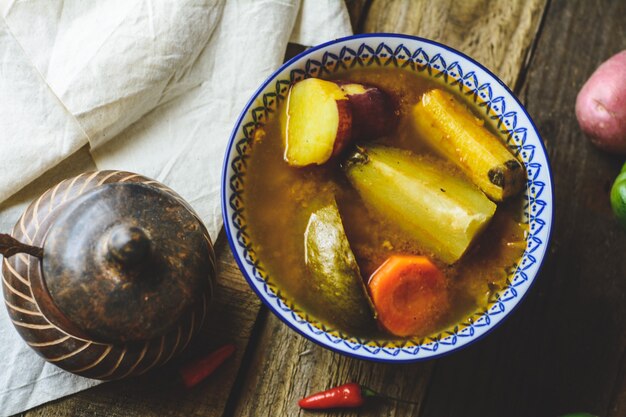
108,274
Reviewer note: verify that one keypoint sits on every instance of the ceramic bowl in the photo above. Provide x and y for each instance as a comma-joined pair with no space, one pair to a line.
461,73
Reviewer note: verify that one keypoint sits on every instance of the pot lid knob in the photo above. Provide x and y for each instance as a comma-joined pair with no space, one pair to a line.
129,245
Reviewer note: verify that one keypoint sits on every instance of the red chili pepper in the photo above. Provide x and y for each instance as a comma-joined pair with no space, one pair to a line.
347,395
192,373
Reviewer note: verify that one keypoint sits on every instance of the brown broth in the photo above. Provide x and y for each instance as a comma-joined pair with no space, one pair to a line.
277,196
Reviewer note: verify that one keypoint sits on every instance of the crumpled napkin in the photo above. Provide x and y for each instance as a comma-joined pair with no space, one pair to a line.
153,87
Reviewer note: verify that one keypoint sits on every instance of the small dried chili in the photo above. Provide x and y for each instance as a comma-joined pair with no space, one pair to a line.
194,372
344,396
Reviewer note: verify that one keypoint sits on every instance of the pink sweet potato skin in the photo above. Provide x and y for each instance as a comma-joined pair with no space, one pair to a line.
344,130
601,105
373,111
373,114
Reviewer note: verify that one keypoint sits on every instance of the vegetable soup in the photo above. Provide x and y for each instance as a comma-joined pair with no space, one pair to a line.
381,206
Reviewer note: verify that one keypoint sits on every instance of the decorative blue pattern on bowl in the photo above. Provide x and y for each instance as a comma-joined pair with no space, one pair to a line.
502,110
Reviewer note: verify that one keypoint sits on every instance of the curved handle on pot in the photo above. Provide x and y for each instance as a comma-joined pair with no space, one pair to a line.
10,246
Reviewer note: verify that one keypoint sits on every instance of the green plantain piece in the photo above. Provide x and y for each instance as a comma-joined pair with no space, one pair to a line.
334,273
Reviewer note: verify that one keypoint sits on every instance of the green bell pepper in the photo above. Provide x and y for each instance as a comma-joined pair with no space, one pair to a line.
618,197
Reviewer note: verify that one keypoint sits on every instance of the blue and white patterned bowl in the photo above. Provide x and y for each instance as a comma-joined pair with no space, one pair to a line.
490,96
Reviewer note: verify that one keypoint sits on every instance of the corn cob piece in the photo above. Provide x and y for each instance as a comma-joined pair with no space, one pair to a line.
442,212
455,133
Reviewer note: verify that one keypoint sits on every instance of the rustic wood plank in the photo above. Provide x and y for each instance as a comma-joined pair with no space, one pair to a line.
563,350
498,34
285,366
230,320
617,406
358,10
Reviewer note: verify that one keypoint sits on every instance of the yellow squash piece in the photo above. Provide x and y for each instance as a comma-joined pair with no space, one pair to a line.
442,212
454,132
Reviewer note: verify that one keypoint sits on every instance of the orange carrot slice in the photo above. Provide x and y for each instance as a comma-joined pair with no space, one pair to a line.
410,295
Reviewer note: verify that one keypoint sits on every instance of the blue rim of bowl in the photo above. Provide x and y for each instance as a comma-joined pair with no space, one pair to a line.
242,267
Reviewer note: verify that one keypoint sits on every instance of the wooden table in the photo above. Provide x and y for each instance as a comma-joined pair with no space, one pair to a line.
563,350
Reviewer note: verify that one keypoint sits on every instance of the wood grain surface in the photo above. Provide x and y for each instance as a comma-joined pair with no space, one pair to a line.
563,349
498,34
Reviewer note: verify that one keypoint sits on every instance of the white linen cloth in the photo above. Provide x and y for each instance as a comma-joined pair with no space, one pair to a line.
152,87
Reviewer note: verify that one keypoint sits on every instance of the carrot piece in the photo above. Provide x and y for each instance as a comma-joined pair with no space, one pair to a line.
410,295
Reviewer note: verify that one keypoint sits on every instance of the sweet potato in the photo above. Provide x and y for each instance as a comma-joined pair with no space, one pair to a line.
317,122
601,105
321,117
373,112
